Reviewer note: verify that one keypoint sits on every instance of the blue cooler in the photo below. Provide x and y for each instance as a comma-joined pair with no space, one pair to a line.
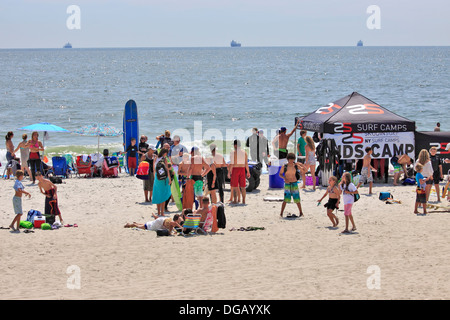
275,181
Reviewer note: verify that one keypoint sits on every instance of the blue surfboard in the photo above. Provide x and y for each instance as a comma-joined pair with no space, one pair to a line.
130,126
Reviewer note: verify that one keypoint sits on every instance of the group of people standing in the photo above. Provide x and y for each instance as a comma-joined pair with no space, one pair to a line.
30,162
173,159
429,172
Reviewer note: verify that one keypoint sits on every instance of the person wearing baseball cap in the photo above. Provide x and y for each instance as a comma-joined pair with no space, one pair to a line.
283,140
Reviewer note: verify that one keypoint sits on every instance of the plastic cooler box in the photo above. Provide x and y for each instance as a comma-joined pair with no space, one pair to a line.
38,221
275,181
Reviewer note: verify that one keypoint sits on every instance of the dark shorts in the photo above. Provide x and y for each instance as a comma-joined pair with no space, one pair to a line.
436,177
331,204
429,181
210,177
282,154
421,198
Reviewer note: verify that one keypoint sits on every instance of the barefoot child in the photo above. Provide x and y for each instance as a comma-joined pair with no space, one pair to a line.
421,197
289,173
366,171
132,157
348,190
17,199
333,200
51,199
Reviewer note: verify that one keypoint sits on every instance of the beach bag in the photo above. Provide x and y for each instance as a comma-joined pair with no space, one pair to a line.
356,197
143,170
385,195
221,219
56,180
161,173
49,218
394,160
409,181
162,232
26,224
32,214
46,226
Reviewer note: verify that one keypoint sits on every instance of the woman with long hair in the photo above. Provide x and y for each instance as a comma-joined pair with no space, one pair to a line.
9,151
310,161
161,187
24,154
35,147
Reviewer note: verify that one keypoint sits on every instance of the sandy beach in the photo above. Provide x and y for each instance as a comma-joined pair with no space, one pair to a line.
305,258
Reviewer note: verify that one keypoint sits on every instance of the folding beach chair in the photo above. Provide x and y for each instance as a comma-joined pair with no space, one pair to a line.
70,163
210,224
109,167
119,159
191,225
60,166
84,165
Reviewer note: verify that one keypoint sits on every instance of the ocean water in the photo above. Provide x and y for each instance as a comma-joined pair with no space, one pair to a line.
213,91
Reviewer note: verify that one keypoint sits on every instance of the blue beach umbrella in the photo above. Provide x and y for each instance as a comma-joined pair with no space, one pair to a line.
99,130
44,126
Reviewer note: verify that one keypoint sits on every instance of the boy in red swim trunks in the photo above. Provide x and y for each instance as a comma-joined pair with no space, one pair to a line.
236,171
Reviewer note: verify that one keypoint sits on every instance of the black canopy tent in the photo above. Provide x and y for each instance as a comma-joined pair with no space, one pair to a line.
354,114
440,140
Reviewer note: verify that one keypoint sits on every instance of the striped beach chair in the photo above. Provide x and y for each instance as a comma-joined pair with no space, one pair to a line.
191,225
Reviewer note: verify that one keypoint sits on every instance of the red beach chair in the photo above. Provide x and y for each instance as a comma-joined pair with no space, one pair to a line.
84,165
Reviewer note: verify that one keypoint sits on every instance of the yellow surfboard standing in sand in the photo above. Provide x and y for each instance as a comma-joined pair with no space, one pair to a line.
176,193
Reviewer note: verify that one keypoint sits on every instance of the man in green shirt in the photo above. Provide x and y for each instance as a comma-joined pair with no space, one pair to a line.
301,146
301,143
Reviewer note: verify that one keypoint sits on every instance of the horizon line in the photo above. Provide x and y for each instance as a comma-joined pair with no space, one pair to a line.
220,47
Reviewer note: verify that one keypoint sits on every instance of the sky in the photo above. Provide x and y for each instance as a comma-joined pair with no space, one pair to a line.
214,23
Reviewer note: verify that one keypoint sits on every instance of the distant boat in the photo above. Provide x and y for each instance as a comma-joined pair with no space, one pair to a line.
360,43
235,44
67,46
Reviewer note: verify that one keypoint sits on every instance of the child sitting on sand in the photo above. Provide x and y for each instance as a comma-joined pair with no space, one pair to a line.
290,172
17,199
421,198
333,200
348,191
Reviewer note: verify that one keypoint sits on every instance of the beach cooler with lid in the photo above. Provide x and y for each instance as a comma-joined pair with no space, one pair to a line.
275,181
38,221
